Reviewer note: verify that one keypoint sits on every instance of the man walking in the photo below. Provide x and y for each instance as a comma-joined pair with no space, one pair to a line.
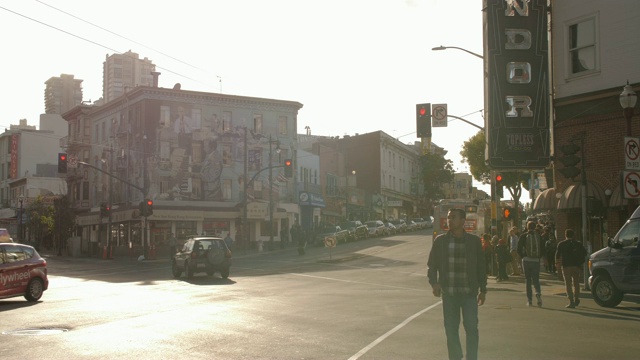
570,256
530,248
457,273
513,247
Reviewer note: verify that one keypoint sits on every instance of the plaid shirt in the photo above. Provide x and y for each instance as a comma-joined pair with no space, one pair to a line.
459,283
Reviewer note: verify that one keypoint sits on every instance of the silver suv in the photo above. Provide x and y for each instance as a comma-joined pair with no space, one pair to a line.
202,254
615,270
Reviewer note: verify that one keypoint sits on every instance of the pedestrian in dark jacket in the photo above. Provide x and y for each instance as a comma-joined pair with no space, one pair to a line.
503,257
530,249
570,257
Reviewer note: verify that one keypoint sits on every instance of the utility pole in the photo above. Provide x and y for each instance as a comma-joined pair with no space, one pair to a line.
245,225
110,233
145,186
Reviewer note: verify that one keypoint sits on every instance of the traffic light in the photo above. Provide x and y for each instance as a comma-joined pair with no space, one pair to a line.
288,168
499,186
62,163
423,120
146,207
570,160
105,210
507,213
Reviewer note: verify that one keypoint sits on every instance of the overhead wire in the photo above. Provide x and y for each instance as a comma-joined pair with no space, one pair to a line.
94,42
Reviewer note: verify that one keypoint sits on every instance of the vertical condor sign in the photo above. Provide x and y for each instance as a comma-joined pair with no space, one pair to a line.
517,84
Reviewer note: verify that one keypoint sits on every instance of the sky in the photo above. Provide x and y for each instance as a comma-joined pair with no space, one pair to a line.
357,66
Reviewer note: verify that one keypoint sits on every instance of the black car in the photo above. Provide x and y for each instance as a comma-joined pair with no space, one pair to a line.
357,230
202,254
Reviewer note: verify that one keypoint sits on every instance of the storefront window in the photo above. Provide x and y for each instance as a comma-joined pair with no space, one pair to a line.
185,229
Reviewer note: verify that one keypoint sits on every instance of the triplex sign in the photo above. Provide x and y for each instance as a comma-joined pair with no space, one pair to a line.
517,91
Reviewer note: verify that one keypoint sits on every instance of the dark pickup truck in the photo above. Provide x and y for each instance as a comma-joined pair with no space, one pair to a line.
615,270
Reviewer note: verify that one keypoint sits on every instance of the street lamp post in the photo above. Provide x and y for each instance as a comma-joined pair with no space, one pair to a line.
457,48
277,142
628,100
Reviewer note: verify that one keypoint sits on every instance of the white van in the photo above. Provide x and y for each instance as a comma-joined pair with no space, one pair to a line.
5,237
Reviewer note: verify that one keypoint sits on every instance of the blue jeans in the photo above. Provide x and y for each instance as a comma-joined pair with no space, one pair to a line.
532,275
452,306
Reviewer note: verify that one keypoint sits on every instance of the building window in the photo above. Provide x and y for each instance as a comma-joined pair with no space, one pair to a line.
196,116
226,189
257,124
227,157
583,52
165,116
282,125
226,121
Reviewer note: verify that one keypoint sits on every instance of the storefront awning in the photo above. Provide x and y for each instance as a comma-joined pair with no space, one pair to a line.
572,196
617,199
547,200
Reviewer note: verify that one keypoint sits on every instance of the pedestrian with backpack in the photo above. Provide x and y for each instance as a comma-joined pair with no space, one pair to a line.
570,257
530,249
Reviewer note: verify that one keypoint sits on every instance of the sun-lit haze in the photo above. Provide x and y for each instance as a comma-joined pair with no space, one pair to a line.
357,66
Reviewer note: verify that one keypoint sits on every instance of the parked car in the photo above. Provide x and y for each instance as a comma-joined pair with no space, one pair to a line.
615,270
202,254
357,230
391,229
420,222
412,225
23,272
336,231
400,224
429,222
376,228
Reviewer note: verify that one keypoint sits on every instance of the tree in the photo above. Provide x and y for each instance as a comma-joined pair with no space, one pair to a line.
436,171
65,221
40,222
473,154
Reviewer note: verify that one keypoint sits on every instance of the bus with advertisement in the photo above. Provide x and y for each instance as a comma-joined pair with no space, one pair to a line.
476,215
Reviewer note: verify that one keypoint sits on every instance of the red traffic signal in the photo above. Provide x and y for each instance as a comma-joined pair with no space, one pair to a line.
288,168
149,202
62,163
63,157
507,213
498,178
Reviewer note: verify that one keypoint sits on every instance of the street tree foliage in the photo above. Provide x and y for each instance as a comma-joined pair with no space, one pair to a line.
40,222
65,221
473,154
436,171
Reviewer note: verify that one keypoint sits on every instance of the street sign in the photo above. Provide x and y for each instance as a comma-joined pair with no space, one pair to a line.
632,153
631,184
73,161
439,115
330,241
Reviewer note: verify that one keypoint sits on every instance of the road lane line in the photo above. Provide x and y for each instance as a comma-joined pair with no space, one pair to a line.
390,332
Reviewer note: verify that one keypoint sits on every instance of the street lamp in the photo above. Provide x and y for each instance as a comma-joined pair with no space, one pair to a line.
458,48
277,142
346,192
628,100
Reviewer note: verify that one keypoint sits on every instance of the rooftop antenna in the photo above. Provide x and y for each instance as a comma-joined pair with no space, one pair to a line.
220,81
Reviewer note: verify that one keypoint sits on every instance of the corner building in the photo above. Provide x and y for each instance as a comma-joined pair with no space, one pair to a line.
191,153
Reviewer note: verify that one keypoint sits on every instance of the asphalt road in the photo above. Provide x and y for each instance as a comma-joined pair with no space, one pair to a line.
364,300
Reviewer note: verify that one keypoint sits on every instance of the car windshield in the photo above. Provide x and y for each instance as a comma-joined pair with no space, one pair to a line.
372,224
348,225
328,229
211,244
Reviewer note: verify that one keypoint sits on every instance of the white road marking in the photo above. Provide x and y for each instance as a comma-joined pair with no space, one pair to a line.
390,332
